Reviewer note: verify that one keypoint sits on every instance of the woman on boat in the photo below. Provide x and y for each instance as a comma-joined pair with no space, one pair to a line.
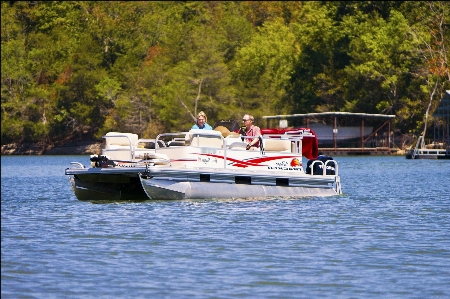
251,130
201,122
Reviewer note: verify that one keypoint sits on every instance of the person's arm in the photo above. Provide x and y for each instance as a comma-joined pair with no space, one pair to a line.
252,143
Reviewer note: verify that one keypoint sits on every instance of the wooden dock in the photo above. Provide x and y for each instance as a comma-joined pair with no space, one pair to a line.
378,151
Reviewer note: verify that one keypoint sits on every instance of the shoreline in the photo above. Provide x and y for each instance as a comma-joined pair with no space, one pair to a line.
95,148
73,148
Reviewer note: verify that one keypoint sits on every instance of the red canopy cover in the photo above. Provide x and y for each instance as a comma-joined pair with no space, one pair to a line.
310,144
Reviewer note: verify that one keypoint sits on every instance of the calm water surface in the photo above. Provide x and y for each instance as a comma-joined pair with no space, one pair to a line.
388,236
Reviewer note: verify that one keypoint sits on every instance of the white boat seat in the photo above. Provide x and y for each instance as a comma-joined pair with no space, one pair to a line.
277,145
143,144
230,139
238,145
122,141
207,141
205,138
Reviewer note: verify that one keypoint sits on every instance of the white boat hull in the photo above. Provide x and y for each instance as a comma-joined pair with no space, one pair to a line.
160,183
188,190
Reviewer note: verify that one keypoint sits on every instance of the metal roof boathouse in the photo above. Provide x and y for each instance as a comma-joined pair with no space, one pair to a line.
343,133
442,121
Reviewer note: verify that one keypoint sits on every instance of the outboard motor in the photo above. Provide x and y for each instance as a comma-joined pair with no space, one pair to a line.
318,167
101,161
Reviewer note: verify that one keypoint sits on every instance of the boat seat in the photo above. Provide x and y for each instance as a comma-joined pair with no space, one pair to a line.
204,138
122,141
143,144
277,145
230,139
206,141
238,145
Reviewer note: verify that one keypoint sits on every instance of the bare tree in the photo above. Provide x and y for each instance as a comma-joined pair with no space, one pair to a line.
195,101
434,53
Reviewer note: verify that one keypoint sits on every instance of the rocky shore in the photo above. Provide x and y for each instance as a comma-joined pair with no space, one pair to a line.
74,148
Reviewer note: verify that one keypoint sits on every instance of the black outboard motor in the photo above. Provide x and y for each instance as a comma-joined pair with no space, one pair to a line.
101,161
318,167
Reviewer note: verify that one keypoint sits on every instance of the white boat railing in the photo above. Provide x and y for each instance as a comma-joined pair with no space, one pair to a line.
208,139
77,164
324,167
205,139
295,137
130,147
122,136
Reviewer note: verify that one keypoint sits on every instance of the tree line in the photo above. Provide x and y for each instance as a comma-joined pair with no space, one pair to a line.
72,70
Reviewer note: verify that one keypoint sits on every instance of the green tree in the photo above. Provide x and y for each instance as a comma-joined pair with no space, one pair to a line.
79,69
264,66
317,81
380,52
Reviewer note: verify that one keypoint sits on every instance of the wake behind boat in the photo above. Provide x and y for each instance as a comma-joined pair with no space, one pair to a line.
203,164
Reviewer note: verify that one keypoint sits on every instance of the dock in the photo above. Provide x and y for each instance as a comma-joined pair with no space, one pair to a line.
440,147
378,151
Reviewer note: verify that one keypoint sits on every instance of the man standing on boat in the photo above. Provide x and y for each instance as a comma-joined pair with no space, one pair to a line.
201,122
251,130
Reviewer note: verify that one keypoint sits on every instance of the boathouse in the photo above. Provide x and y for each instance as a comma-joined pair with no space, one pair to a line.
342,133
441,117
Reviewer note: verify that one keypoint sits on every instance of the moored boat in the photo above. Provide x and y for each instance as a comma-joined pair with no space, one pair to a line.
203,164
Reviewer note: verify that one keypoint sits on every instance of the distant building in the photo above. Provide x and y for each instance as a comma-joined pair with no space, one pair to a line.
441,122
341,130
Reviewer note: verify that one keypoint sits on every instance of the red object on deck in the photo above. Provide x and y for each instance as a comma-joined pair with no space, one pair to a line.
310,144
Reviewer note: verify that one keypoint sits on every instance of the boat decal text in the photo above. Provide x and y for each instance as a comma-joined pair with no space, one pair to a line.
259,161
283,165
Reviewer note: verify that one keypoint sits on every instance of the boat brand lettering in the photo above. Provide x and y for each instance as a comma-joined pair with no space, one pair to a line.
207,160
283,165
284,168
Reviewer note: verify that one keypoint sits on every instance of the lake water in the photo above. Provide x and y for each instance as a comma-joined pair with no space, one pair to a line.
388,236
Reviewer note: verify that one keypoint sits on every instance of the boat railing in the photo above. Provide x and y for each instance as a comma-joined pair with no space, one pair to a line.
77,164
324,167
210,139
177,142
207,141
176,139
127,136
198,138
302,133
153,141
295,138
